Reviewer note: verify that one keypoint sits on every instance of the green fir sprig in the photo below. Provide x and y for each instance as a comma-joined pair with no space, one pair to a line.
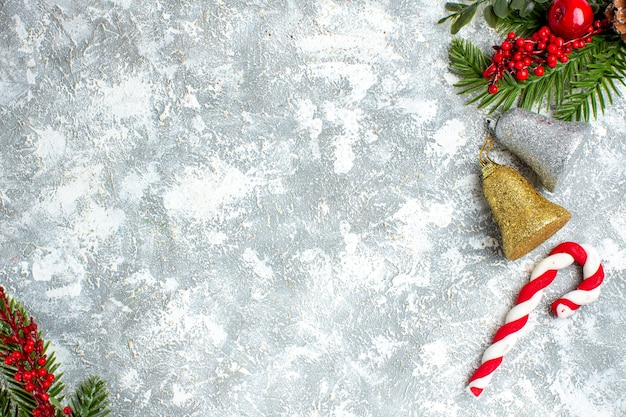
579,89
91,399
576,90
594,83
23,350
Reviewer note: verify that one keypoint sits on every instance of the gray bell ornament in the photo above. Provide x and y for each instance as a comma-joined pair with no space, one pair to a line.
550,147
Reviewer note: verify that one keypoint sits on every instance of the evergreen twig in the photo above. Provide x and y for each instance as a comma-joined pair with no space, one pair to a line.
594,84
577,90
91,399
17,331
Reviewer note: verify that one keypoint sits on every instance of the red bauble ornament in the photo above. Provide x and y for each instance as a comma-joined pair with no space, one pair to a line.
570,19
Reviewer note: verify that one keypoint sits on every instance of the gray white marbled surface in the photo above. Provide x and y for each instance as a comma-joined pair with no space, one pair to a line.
273,208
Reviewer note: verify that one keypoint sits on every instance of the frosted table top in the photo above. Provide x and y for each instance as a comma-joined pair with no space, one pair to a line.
273,208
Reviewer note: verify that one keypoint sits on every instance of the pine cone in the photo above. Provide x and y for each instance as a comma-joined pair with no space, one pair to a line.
616,15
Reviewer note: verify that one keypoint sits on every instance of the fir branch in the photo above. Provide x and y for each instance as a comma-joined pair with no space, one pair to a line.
593,86
29,382
91,399
16,397
7,407
467,62
578,90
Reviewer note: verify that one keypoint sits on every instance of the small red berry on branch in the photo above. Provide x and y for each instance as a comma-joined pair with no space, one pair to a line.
520,56
26,354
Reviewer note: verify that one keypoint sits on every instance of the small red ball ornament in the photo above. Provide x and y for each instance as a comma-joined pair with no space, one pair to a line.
570,19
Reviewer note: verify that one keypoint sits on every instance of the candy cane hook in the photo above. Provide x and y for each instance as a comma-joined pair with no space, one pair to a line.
544,273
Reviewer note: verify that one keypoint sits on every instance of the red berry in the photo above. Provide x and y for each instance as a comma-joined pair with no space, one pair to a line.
68,410
521,75
493,89
551,61
511,35
29,386
506,46
45,396
539,71
41,361
552,49
42,372
46,384
563,58
570,19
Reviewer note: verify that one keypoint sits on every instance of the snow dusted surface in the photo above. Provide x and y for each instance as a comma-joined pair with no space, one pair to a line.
273,208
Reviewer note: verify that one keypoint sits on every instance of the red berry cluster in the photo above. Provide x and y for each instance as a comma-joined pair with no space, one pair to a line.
26,354
520,56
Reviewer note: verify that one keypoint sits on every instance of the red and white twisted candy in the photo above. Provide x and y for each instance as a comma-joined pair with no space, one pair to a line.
589,290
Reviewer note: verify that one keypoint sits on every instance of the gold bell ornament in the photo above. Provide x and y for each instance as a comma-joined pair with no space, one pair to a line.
525,218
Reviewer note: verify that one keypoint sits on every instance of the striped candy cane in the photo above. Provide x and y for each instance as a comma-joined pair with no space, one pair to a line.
544,273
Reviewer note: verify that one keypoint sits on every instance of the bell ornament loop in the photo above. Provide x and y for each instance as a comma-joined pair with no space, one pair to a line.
488,166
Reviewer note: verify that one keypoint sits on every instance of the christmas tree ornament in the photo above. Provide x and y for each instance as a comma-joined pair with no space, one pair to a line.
550,147
616,15
555,57
542,275
570,18
525,217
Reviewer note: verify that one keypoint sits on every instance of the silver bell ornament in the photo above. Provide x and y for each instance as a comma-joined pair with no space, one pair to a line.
549,147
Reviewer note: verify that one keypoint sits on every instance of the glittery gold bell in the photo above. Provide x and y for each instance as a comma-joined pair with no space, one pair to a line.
525,217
